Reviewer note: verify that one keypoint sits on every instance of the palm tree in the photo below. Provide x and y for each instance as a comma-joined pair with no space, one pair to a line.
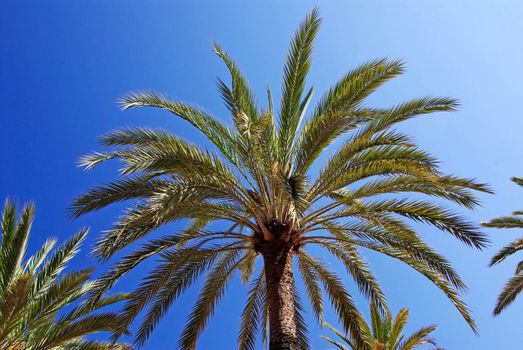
515,284
384,333
256,196
41,308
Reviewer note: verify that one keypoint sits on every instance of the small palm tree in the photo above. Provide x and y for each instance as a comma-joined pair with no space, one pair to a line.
515,284
256,196
34,295
384,333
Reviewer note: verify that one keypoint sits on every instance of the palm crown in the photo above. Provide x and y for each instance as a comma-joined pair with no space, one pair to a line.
40,308
515,284
384,333
255,195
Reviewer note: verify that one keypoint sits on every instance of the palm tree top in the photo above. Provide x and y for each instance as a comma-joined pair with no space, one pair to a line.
255,194
384,333
41,307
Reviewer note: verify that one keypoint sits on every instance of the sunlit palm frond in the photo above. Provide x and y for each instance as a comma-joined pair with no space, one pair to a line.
209,296
384,333
514,286
240,100
251,319
301,326
418,339
295,71
313,287
510,291
40,306
218,133
346,310
339,111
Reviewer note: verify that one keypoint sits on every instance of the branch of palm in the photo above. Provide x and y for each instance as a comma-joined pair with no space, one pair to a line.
514,286
384,333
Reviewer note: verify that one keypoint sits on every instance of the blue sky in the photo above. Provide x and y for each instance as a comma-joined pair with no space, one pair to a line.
63,64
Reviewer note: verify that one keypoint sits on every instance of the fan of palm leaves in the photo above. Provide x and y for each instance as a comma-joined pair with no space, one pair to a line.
515,285
384,333
40,307
255,193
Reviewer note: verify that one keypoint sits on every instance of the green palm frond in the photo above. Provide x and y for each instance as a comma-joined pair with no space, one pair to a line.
512,288
253,193
175,273
339,334
507,251
399,323
294,74
251,319
418,339
40,307
240,100
313,287
301,326
505,222
14,240
212,290
384,333
338,111
515,284
58,261
340,298
435,277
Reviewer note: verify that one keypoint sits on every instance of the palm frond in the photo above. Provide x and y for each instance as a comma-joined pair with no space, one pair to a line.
507,251
14,240
418,338
164,292
251,320
384,333
340,298
121,190
515,284
40,307
399,323
240,100
435,277
301,326
509,293
505,222
338,111
210,294
214,130
313,287
294,74
58,261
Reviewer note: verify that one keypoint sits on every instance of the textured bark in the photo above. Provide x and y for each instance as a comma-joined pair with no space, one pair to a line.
280,294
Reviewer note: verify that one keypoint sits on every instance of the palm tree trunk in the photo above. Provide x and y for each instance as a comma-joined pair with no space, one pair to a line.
280,294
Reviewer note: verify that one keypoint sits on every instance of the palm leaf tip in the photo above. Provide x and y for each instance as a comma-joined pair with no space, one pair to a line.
295,72
517,180
140,99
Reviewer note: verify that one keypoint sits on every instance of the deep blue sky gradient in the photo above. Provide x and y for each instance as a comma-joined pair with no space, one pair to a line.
63,64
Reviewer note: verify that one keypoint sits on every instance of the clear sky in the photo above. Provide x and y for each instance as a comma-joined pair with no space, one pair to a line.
63,64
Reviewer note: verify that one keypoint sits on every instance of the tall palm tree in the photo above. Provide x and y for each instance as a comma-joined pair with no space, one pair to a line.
256,196
384,333
41,308
515,284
